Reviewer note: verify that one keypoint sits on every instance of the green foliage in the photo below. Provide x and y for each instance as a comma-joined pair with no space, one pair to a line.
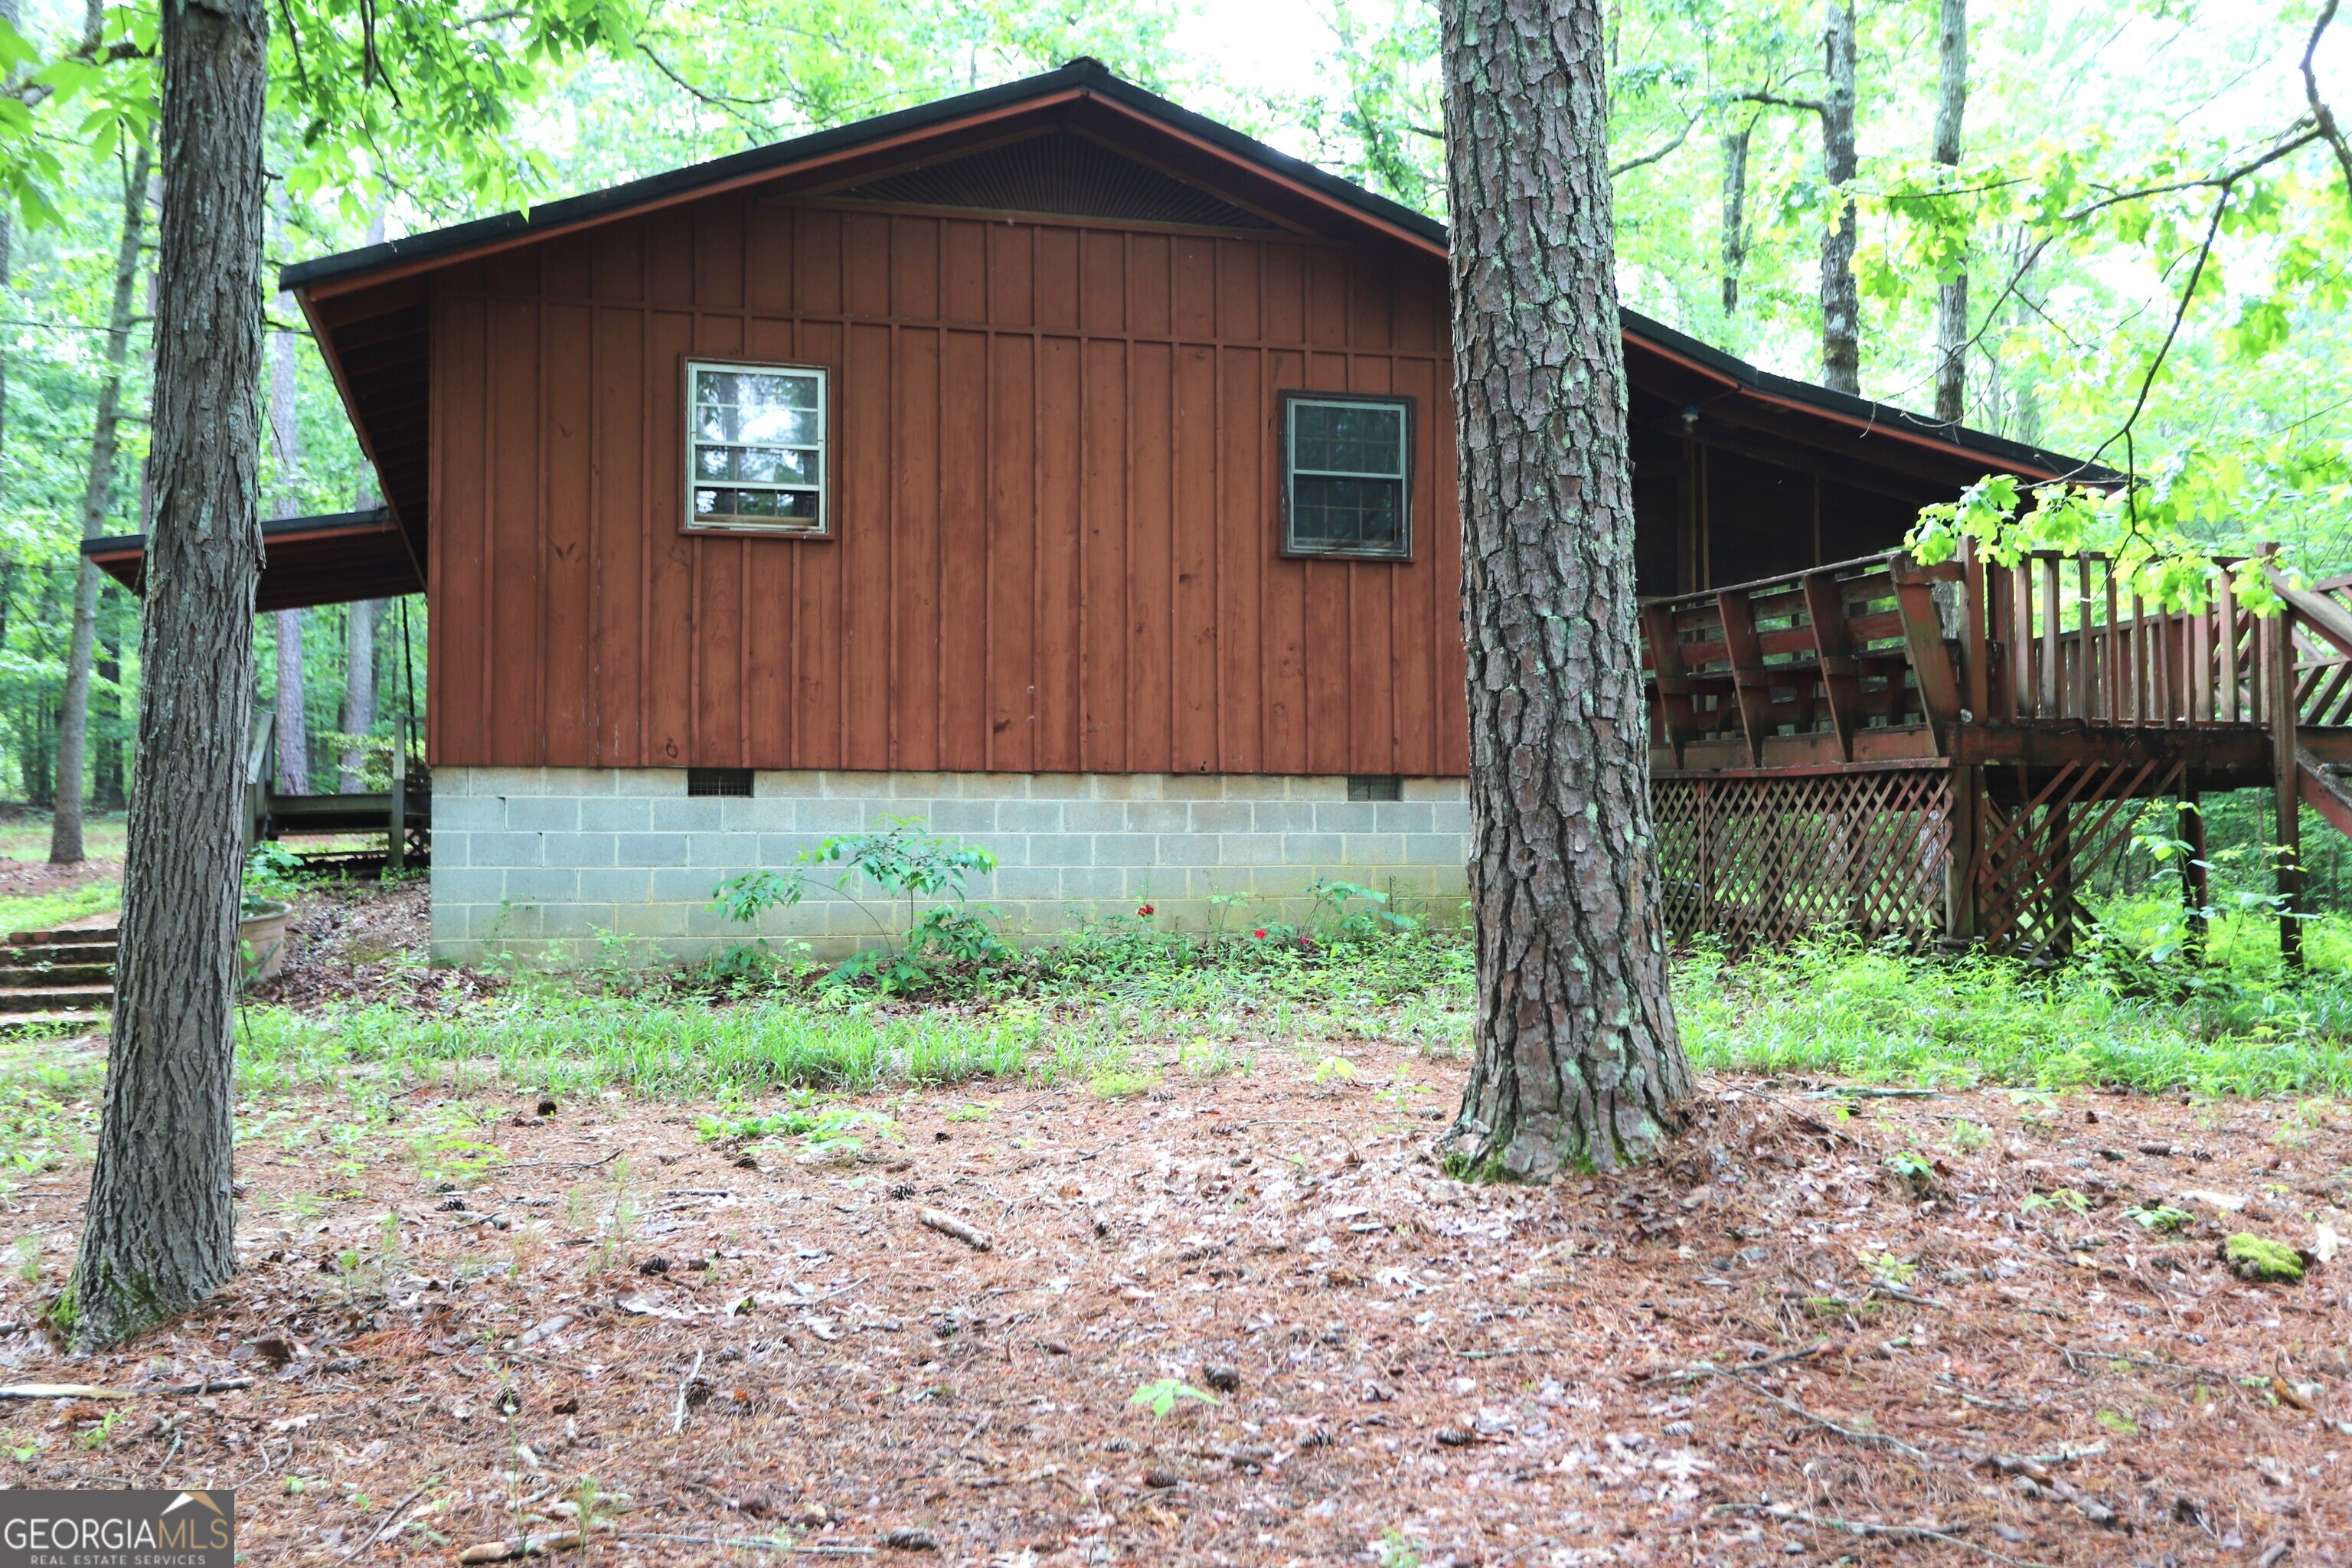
905,864
2251,1257
821,1128
2066,1198
1161,1395
2160,1218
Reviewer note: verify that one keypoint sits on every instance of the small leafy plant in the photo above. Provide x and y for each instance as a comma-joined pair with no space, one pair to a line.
1161,1395
2160,1218
2063,1197
906,865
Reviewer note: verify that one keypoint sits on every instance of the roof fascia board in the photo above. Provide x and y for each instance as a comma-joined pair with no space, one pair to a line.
509,231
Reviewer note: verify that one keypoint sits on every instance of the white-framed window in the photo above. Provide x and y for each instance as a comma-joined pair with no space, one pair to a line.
755,449
1347,475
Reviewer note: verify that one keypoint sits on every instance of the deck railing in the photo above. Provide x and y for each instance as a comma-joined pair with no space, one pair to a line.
1952,752
1877,659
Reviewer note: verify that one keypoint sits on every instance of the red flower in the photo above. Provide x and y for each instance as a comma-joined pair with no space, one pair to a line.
1259,934
1147,912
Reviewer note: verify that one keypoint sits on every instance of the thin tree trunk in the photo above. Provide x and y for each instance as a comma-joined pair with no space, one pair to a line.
1952,298
286,442
1840,300
1578,1060
106,769
96,499
359,693
12,13
1735,212
157,1233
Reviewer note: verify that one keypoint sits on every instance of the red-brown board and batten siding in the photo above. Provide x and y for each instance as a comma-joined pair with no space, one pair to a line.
1055,470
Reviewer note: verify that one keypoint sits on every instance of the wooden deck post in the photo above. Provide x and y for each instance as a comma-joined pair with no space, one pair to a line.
2284,713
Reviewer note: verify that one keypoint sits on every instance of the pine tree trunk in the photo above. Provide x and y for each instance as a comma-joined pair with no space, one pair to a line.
359,693
1735,212
97,498
1840,300
1952,298
1578,1061
286,441
157,1235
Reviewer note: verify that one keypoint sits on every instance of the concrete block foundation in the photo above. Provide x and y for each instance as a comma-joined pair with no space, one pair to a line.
556,863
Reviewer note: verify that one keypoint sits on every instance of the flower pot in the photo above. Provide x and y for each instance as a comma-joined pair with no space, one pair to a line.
261,941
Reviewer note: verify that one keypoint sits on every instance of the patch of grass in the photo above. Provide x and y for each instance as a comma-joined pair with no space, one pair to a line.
41,911
1838,1009
568,1043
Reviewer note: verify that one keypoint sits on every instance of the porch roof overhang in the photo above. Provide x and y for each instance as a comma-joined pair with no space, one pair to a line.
306,561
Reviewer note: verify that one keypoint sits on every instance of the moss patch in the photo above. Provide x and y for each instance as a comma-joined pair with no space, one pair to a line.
2250,1256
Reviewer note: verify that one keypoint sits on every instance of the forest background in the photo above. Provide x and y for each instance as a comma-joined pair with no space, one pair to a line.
2199,334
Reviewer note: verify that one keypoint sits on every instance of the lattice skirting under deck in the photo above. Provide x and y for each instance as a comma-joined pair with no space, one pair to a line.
1760,860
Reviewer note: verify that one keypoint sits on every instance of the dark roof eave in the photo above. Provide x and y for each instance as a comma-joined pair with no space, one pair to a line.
377,519
1749,377
1088,75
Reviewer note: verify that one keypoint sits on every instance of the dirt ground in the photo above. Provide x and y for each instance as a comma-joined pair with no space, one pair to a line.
362,942
731,1342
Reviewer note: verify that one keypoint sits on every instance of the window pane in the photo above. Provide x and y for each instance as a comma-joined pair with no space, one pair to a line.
1348,437
1341,513
756,448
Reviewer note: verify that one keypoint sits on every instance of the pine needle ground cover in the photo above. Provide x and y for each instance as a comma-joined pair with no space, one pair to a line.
1941,1267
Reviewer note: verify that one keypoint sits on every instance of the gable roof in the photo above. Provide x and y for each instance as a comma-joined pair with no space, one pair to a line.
1149,160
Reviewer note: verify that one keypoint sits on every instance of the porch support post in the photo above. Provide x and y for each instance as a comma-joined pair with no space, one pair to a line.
1960,865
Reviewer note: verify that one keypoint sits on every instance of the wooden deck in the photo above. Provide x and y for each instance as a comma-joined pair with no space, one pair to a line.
1947,753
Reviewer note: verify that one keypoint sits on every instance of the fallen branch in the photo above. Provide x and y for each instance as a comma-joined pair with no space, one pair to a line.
2074,1356
1704,1369
948,1225
373,1536
1887,1531
506,1550
93,1391
685,1394
750,1542
1850,1434
1896,1293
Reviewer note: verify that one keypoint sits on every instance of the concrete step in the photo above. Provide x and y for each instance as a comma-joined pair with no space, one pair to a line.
64,936
12,1024
63,952
54,998
21,975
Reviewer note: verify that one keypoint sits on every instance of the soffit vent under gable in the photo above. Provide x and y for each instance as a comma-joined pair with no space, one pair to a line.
1062,175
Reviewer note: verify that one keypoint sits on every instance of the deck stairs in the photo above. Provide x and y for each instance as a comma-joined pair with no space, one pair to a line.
60,976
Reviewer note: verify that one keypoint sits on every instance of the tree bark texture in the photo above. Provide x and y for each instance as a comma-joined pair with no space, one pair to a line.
359,693
1840,300
1735,212
157,1237
1952,298
97,498
1578,1061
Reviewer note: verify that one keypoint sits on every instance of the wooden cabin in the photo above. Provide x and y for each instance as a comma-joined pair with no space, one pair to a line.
1051,464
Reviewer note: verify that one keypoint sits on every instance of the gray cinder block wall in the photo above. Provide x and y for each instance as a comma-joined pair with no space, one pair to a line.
538,862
